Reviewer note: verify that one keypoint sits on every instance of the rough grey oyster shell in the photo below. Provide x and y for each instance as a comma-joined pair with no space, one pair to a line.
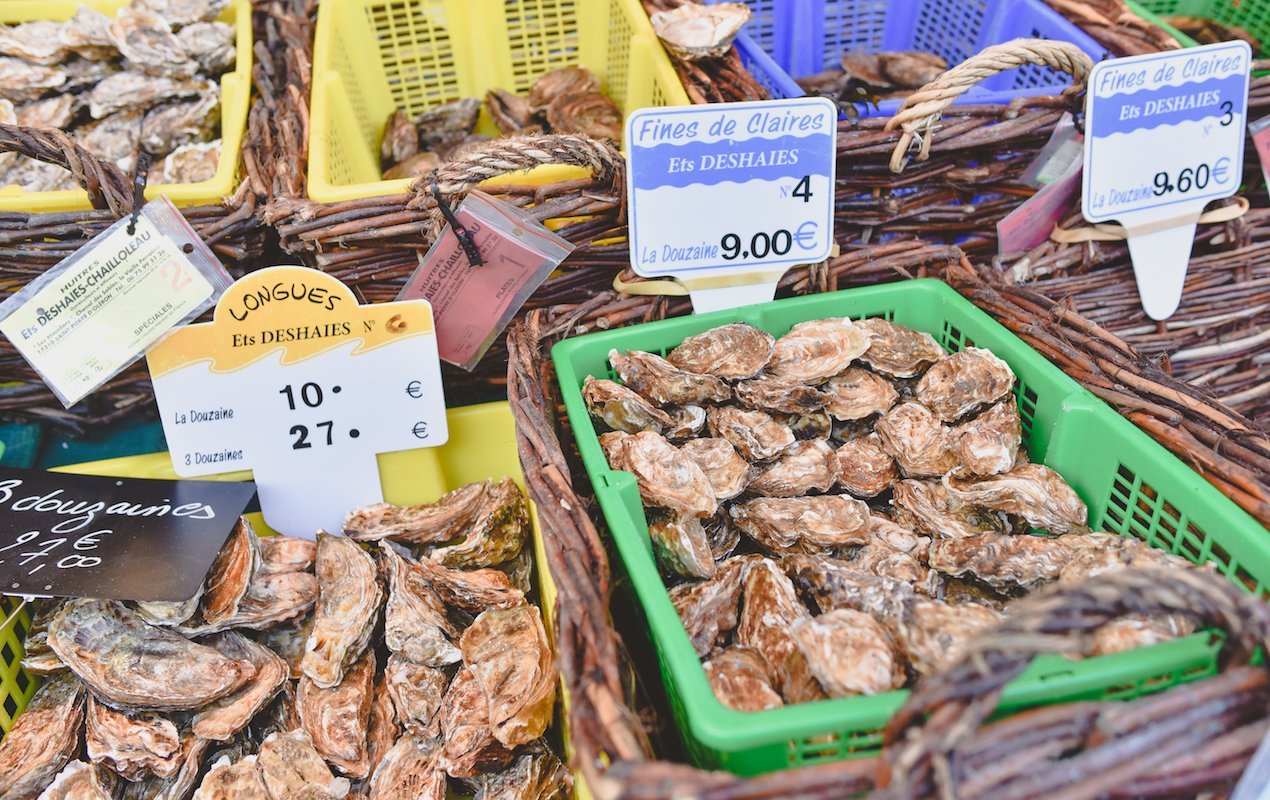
232,780
44,737
447,123
927,507
172,125
830,583
53,112
115,138
134,745
88,34
429,523
496,533
813,352
964,381
708,609
536,774
190,163
898,351
21,81
288,762
38,42
416,692
81,781
803,524
185,12
1034,492
146,40
733,352
211,44
1009,561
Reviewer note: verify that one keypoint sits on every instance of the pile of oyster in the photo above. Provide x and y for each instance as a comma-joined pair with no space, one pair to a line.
873,77
840,509
144,80
564,100
306,670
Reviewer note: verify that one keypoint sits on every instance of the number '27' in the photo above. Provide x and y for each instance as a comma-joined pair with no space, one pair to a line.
301,432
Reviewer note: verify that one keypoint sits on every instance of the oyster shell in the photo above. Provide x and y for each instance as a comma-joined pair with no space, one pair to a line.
849,652
680,544
146,41
666,477
879,558
472,590
447,123
536,774
171,125
693,31
43,739
687,421
733,352
80,781
134,745
898,351
856,393
662,382
798,684
812,352
39,176
863,467
131,665
279,554
401,139
53,112
933,633
1034,492
226,780
139,91
21,81
928,507
519,570
347,610
470,746
741,680
592,114
273,599
727,472
816,425
770,610
964,381
989,443
1113,553
911,69
622,409
115,138
88,34
338,718
178,786
755,434
224,718
211,44
414,167
772,394
921,445
168,614
288,762
185,12
561,82
429,523
230,575
803,468
416,693
82,75
1007,562
1134,631
511,113
410,770
722,535
828,584
415,623
38,42
803,524
508,655
496,533
38,657
708,609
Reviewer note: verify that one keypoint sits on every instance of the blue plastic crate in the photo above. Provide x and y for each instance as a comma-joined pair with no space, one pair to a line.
788,39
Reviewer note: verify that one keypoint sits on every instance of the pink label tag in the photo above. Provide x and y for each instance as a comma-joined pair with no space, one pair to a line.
473,304
1031,223
1260,130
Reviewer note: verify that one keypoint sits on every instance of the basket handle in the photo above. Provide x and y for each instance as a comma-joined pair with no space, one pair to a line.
105,183
920,111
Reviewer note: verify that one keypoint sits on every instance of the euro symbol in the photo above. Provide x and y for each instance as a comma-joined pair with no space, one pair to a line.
414,389
805,236
420,429
1220,169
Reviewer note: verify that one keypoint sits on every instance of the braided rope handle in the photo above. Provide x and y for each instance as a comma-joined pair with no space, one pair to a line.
105,183
920,111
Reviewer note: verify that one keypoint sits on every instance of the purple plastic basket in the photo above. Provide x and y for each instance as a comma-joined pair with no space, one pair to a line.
788,39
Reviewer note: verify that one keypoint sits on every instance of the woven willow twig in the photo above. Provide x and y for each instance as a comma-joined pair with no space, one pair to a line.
1115,26
106,185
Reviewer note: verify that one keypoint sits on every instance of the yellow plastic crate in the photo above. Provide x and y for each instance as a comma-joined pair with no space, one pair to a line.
235,98
372,57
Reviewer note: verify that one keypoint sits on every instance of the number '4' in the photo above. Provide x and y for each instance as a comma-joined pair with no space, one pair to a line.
803,189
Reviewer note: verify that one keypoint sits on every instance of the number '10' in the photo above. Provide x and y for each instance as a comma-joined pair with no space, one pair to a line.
310,395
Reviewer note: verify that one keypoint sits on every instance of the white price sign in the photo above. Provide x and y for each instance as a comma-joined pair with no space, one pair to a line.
1164,137
730,194
298,382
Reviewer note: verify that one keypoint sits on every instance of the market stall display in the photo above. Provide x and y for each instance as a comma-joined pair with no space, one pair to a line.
1208,21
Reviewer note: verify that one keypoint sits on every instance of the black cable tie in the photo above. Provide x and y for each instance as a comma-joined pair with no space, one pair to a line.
139,179
466,240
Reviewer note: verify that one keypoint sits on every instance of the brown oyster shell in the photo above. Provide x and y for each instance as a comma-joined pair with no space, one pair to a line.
38,42
911,69
1034,492
416,692
803,524
134,745
667,478
496,533
536,774
927,507
829,583
812,352
989,443
1134,631
348,603
879,558
899,351
140,91
917,439
232,780
472,590
1114,553
662,382
863,467
1007,562
414,167
229,577
410,770
693,31
622,409
146,41
428,523
511,113
733,352
772,394
288,762
280,554
184,12
708,609
401,139
383,729
38,657
44,737
415,622
741,680
509,657
933,634
561,82
224,718
81,781
849,652
686,421
964,381
21,81
53,112
680,544
592,114
88,34
190,163
797,683
447,123
755,434
769,611
803,468
722,535
171,125
180,785
727,472
470,746
116,138
856,393
211,44
338,718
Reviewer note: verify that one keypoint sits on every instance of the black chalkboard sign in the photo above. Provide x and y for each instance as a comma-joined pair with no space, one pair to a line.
117,538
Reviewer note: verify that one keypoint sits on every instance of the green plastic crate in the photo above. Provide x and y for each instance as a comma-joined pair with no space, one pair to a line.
1251,15
1155,19
1132,486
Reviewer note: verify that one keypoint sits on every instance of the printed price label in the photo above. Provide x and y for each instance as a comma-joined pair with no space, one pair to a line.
731,193
1164,137
1260,132
296,381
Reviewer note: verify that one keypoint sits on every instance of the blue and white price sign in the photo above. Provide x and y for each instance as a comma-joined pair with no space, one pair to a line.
722,191
1164,137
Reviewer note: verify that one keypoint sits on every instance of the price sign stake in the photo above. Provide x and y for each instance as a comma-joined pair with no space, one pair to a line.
1164,137
296,381
728,196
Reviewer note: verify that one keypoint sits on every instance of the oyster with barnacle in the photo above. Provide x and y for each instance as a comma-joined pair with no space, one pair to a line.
661,382
666,477
805,467
755,434
741,679
812,352
963,382
863,467
1034,492
561,82
849,653
917,439
856,393
693,31
898,351
733,352
803,524
680,543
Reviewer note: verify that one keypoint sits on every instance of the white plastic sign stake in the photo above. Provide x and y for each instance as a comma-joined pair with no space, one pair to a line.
296,381
727,197
1164,136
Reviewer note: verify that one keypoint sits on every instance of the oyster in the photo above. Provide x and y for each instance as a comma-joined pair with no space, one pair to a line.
897,537
226,780
272,599
497,532
472,590
918,441
21,81
178,786
211,44
561,82
680,544
447,123
511,113
666,477
828,584
770,610
898,351
732,352
338,718
415,624
989,443
1009,561
168,614
722,535
40,176
230,575
741,680
519,570
401,139
849,653
470,745
911,69
172,125
347,609
507,653
536,774
80,781
804,468
429,523
411,770
686,421
43,739
856,393
622,409
1134,631
863,467
82,75
693,31
133,745
1113,553
879,558
414,167
661,382
38,42
803,524
288,762
798,684
754,434
185,12
54,112
592,114
929,508
416,693
933,634
146,41
816,425
138,91
38,657
1034,492
964,381
708,609
230,714
115,138
88,34
773,394
130,665
812,352
727,472
279,554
